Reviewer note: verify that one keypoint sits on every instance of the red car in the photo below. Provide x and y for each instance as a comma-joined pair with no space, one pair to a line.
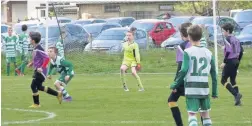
158,30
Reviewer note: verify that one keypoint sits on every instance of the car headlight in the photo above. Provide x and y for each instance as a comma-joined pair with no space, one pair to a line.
115,48
88,47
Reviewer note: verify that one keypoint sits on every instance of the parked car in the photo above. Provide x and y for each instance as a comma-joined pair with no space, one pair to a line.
176,39
243,18
246,35
111,40
89,21
220,21
95,29
75,40
18,27
4,28
232,13
62,19
123,21
159,30
178,20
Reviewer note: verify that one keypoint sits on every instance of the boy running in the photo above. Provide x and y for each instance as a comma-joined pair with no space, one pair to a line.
65,68
198,62
232,52
131,59
174,96
23,48
10,42
40,61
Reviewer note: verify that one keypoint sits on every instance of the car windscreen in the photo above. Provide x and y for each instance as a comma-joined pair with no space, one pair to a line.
93,28
176,21
143,25
245,16
112,35
202,20
52,32
83,22
247,31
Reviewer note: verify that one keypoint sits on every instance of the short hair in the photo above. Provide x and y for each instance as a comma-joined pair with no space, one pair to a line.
133,29
24,27
54,49
195,32
183,29
35,36
228,27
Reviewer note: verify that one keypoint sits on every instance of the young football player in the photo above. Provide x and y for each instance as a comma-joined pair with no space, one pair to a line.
198,62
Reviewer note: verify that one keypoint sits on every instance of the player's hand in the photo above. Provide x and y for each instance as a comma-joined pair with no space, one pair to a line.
222,65
39,70
174,90
49,77
67,78
29,65
138,67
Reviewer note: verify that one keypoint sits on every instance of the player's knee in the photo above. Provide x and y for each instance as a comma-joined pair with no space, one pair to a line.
172,104
8,64
223,82
57,85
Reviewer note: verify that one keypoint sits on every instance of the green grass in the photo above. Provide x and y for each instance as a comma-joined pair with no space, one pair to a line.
152,61
98,100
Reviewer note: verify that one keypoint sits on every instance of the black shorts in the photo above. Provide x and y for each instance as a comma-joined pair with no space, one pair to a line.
174,96
230,71
38,76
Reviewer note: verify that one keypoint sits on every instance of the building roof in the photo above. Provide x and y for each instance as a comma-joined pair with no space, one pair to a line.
118,1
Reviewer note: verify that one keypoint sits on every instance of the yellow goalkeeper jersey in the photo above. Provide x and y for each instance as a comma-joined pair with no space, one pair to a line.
131,52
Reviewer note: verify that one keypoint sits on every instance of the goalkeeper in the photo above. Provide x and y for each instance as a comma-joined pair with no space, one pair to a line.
131,59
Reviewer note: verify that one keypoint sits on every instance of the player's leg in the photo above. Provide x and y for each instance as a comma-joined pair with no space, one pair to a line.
123,69
18,69
39,83
233,74
204,111
192,105
23,65
35,94
134,73
60,85
172,103
225,75
15,64
8,66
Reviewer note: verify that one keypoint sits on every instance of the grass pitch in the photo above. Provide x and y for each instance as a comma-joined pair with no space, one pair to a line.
99,100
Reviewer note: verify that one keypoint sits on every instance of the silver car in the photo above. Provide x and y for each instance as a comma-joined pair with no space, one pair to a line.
111,40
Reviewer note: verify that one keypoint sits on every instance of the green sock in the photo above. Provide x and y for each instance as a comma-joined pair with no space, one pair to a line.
22,66
8,69
15,65
139,81
122,75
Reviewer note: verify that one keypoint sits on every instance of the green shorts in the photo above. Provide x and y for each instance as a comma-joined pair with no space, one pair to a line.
62,80
10,59
195,105
24,58
130,63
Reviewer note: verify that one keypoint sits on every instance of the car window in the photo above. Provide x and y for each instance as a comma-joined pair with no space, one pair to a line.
160,26
127,22
99,21
74,29
65,21
108,27
168,26
140,34
4,29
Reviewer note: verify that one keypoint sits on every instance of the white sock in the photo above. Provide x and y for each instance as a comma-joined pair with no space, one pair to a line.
64,91
192,121
207,122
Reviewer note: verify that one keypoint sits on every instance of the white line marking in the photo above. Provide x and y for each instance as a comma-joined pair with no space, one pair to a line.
50,115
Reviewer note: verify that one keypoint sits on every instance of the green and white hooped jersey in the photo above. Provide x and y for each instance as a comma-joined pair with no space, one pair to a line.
60,47
10,43
59,67
196,80
23,44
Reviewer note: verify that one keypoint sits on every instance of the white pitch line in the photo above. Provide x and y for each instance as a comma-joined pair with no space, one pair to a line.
50,115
